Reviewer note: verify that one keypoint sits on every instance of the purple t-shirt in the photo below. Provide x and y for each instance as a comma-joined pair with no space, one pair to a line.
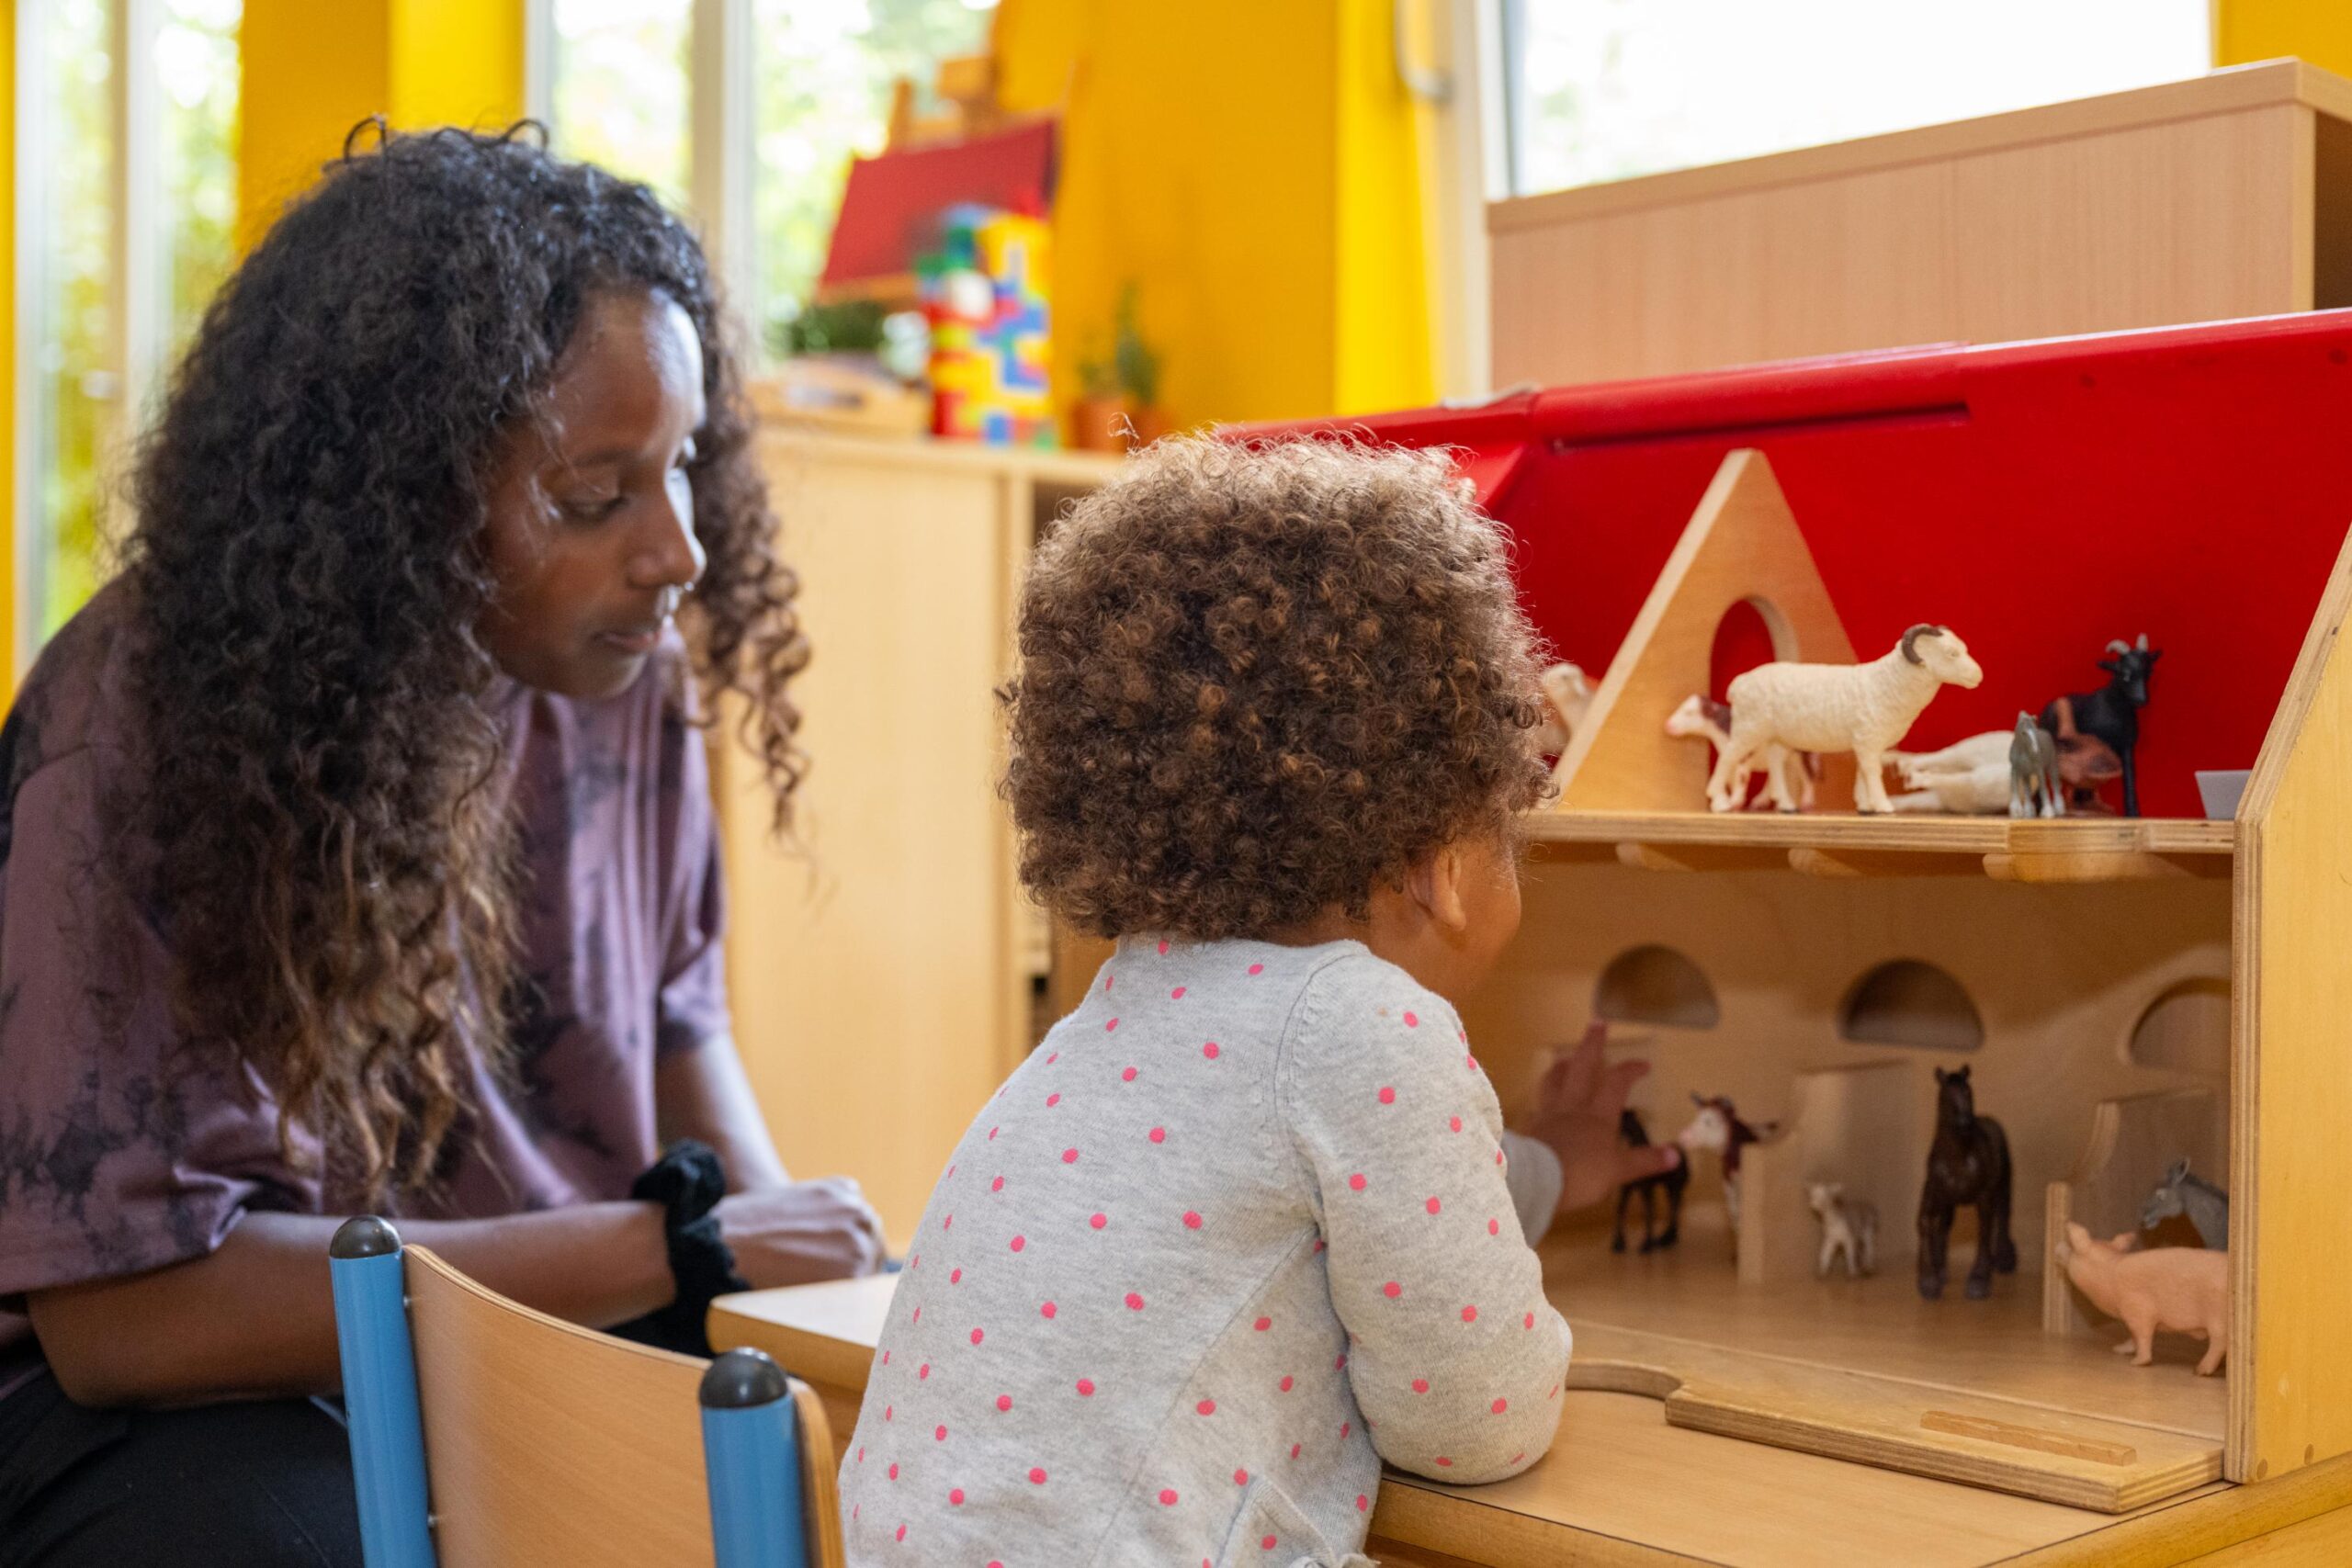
119,1154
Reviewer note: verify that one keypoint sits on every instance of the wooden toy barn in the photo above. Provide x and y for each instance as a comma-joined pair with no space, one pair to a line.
2127,992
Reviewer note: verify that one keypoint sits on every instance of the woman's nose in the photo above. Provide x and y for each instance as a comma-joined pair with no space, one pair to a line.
669,556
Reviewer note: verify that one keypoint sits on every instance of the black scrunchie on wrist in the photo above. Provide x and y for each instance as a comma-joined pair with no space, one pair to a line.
687,1181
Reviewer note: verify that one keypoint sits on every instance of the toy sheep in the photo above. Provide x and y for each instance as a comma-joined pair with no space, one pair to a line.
1567,694
1862,708
2183,1290
1701,717
1847,1225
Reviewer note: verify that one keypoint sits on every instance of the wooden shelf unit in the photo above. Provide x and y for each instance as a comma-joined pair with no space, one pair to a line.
2178,977
2087,849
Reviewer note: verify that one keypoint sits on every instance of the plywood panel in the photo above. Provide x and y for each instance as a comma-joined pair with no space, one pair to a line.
2059,976
1742,546
2290,1226
2026,230
872,961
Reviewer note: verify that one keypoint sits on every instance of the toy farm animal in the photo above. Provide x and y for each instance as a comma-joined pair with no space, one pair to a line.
1862,708
1672,1182
1967,778
1703,717
1566,696
2111,713
1968,1163
2033,771
2181,1290
2207,1206
2085,763
1717,1129
1851,1227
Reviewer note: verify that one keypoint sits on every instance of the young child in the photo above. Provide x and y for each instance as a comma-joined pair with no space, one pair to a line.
1244,1224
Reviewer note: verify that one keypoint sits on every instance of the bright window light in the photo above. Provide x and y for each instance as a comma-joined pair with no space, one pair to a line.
1608,89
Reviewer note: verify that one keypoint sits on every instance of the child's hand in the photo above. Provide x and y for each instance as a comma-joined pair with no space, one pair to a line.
1577,1107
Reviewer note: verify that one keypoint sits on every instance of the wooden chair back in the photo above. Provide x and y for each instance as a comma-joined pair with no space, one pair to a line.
545,1442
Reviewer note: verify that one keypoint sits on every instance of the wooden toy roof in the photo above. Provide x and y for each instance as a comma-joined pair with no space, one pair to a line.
2042,499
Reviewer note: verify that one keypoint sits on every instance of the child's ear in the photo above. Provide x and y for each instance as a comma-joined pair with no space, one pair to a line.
1435,882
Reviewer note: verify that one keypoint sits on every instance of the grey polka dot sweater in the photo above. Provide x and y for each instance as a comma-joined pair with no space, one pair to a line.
1237,1231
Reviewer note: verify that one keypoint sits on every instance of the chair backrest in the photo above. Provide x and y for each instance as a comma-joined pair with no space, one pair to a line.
545,1442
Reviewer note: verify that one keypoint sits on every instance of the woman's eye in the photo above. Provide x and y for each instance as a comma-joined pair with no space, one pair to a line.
591,508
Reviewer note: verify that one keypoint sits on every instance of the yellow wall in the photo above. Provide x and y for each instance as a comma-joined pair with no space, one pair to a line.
313,71
2318,30
8,350
1251,166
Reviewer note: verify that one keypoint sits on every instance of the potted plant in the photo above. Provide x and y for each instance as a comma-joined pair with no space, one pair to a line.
1119,404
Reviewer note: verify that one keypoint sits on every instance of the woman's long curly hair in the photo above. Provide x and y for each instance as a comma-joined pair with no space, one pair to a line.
307,570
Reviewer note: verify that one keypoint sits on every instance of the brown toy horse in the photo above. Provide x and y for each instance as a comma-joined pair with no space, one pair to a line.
1968,1163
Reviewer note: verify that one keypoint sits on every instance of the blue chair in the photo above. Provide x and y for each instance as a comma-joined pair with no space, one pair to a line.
485,1434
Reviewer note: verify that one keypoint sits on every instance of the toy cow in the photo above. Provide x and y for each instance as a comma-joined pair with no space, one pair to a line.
2182,1289
1718,1128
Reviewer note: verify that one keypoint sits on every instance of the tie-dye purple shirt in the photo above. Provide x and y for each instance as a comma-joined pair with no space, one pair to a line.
119,1154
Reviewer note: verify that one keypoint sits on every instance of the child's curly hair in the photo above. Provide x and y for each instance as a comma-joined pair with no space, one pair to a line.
1260,679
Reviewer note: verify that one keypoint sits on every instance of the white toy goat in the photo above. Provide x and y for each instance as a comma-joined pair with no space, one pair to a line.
1847,1225
1567,694
1701,717
1862,708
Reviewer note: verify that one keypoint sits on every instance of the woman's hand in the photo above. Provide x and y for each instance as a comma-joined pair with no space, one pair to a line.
1577,1107
802,1231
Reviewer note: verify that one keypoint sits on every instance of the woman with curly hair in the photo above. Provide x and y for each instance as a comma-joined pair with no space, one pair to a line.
357,852
1247,1221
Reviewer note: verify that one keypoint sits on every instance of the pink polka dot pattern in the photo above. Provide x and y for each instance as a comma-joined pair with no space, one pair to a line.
1301,1122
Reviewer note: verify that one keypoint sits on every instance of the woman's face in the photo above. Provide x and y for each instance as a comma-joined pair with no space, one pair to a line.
591,530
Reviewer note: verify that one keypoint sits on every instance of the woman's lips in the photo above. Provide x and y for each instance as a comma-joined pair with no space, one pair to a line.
639,640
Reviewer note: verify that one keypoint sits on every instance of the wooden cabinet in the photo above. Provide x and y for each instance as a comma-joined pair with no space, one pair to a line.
883,964
2228,196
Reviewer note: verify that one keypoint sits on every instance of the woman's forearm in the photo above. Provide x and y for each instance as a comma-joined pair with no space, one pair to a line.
255,1319
705,1093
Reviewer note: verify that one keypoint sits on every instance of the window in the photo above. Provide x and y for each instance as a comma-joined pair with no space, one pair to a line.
619,85
127,183
624,80
1607,89
825,72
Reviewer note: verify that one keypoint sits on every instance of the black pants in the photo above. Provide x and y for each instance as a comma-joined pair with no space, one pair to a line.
265,1485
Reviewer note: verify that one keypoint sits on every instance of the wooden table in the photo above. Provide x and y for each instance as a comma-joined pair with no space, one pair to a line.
1622,1487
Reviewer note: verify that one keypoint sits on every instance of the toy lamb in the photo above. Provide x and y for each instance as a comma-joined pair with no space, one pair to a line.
1862,708
1847,1225
2183,1290
1701,717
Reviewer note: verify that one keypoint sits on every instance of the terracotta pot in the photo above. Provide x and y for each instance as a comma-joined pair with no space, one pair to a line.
1100,424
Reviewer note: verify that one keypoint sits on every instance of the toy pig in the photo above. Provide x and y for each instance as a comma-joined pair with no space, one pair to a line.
2185,1290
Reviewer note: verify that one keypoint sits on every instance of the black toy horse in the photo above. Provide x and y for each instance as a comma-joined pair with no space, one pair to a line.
1630,1128
2112,713
1968,1163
